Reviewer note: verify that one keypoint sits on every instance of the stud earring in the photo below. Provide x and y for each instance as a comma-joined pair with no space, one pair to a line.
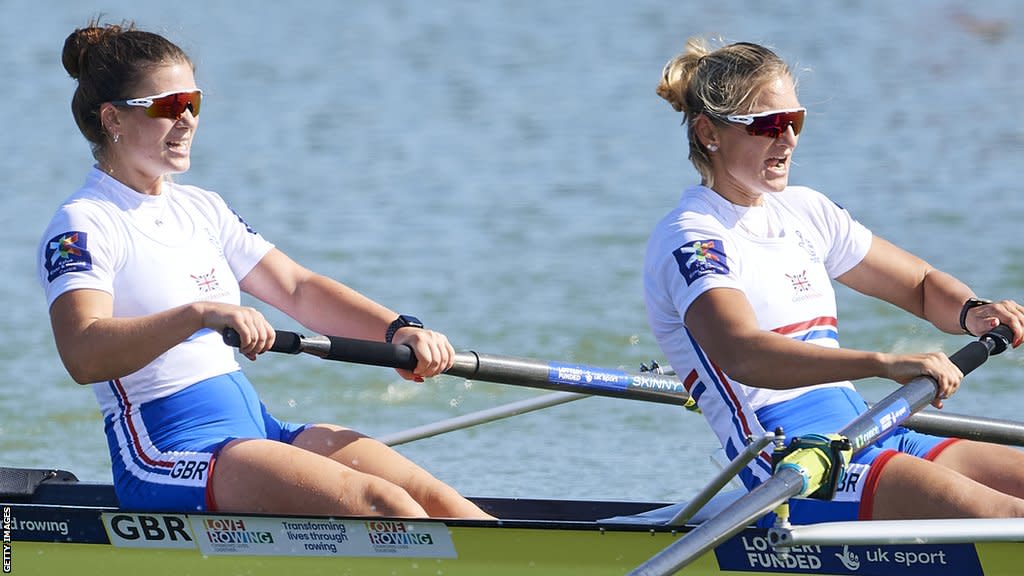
711,147
116,138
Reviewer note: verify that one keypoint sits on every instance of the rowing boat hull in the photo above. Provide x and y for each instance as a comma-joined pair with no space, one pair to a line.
490,551
66,533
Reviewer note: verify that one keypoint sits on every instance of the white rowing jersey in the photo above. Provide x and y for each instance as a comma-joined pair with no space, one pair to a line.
782,256
151,253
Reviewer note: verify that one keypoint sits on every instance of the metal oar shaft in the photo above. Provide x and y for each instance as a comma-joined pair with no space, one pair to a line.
716,530
882,532
995,430
480,417
895,408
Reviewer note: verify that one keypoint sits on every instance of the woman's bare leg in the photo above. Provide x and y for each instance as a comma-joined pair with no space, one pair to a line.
994,465
370,456
911,487
272,477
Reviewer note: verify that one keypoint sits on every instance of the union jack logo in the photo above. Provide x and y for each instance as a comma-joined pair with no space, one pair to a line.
206,282
800,282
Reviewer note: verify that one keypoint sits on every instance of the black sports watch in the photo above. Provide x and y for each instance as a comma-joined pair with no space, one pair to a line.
402,321
971,303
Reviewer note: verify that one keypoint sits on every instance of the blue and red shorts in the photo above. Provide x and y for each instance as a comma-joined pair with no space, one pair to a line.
163,451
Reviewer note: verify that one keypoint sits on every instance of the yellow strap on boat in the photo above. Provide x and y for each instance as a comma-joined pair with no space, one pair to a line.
821,460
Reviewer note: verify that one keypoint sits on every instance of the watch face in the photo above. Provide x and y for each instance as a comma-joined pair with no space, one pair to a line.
406,320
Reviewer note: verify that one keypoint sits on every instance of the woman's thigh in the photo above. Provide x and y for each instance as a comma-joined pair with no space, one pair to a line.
273,477
996,466
360,452
911,487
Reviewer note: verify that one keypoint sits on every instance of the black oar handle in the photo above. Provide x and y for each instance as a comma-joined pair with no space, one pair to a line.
285,342
989,344
337,348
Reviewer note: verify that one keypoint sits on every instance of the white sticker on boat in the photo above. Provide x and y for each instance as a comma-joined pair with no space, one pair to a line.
149,530
265,536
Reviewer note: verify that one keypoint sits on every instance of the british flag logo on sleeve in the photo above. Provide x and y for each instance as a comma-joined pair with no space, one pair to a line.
700,258
67,252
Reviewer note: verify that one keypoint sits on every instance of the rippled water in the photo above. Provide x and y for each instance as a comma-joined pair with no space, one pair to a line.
494,167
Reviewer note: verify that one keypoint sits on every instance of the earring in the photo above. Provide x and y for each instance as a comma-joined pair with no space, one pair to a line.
711,147
116,138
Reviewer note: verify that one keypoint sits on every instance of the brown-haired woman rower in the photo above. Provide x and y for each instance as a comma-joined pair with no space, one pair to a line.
142,275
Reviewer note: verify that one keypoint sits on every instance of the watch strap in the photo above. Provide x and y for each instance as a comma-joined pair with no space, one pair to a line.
970,303
397,324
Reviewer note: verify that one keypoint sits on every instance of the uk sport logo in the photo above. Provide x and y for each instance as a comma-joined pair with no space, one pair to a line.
700,258
67,252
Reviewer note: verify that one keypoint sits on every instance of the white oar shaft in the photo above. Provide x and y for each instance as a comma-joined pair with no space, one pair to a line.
880,532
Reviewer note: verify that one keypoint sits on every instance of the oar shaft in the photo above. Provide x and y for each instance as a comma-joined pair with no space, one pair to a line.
480,417
783,485
568,377
879,420
994,430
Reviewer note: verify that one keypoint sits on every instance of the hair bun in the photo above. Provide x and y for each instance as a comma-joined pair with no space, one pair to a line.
678,73
78,43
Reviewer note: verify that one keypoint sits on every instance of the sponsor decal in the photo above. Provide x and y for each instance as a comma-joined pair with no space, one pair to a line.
899,412
264,536
391,536
700,258
227,535
614,380
148,530
317,536
750,552
65,253
884,423
42,526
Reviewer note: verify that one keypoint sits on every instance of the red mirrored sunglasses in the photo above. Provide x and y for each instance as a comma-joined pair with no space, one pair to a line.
167,105
771,123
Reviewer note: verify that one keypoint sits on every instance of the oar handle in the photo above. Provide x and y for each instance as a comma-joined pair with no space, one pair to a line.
337,348
989,344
